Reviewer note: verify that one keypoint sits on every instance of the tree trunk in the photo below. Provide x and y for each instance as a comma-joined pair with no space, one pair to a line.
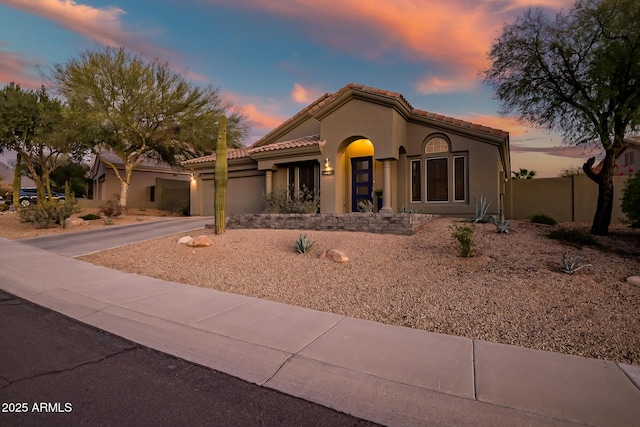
124,194
602,218
17,180
604,179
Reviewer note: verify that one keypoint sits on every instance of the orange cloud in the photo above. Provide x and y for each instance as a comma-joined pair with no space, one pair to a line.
15,67
102,25
305,95
455,35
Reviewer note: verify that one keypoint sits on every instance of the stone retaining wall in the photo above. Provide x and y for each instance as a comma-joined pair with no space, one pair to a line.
383,223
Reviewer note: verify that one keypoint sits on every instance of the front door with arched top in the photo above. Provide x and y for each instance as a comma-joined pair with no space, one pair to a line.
361,180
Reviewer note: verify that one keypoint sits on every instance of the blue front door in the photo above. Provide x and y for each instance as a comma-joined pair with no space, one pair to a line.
361,180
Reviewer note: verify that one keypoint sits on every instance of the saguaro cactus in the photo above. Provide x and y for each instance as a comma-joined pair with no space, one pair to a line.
220,183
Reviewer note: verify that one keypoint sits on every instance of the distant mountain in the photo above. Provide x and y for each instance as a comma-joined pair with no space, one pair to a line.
7,176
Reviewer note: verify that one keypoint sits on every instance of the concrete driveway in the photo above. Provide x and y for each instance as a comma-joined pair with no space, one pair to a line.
86,242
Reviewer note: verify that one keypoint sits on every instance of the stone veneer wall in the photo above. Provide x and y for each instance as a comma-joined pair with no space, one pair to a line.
383,223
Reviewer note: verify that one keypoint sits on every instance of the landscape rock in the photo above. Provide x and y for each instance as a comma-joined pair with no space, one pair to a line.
75,221
334,255
201,241
185,240
634,280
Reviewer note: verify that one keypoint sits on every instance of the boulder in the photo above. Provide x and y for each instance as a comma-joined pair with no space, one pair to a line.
634,280
185,240
201,241
70,222
334,255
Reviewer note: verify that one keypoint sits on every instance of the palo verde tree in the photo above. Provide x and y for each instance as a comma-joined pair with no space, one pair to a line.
33,124
139,110
578,73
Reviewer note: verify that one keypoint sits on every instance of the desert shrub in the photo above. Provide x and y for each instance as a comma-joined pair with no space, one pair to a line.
43,215
574,237
467,238
186,211
89,217
292,201
303,244
543,219
112,208
4,207
631,200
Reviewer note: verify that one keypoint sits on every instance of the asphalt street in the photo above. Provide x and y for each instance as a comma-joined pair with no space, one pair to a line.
58,371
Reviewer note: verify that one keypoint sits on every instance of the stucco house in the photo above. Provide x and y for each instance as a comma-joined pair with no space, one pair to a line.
348,144
154,184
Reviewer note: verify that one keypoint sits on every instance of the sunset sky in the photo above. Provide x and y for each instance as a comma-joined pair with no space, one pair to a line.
273,57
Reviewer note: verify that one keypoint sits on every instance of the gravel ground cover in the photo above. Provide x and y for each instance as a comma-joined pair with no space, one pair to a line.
511,292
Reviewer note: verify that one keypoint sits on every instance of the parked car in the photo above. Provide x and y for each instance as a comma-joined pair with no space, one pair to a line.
29,196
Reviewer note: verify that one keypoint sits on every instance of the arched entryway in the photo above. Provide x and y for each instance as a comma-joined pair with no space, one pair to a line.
360,172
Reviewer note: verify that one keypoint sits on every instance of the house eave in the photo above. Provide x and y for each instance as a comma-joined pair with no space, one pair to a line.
314,149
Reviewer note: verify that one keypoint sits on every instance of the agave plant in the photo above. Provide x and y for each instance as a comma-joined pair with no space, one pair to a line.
303,244
572,266
365,206
502,226
482,206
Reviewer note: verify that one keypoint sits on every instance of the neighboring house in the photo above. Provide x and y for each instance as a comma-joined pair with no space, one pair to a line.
154,184
628,161
348,144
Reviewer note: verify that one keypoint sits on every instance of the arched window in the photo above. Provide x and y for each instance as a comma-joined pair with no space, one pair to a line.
445,173
436,145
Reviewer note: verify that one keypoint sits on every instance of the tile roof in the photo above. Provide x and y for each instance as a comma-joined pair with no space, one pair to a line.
238,153
305,141
232,153
328,98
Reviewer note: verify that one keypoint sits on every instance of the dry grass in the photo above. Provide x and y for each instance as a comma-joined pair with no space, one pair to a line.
512,292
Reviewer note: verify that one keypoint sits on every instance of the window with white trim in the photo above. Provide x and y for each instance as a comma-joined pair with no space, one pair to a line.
446,175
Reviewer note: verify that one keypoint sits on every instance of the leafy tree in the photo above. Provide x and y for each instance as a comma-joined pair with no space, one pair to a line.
139,110
571,171
33,124
577,73
523,174
72,173
631,200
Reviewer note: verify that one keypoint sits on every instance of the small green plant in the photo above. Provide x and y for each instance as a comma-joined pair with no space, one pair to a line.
186,211
543,219
90,216
365,206
502,226
467,237
140,218
406,210
572,266
3,207
481,208
574,237
303,244
108,220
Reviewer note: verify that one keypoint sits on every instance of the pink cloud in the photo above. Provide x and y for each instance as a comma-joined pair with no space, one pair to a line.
262,115
102,25
17,68
454,34
305,95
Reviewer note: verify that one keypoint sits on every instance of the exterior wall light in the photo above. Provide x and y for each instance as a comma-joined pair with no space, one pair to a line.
328,170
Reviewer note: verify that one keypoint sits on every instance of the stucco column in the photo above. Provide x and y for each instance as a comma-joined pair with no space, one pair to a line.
268,181
386,187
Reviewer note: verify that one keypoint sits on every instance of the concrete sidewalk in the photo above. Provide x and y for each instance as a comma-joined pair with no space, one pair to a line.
387,374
